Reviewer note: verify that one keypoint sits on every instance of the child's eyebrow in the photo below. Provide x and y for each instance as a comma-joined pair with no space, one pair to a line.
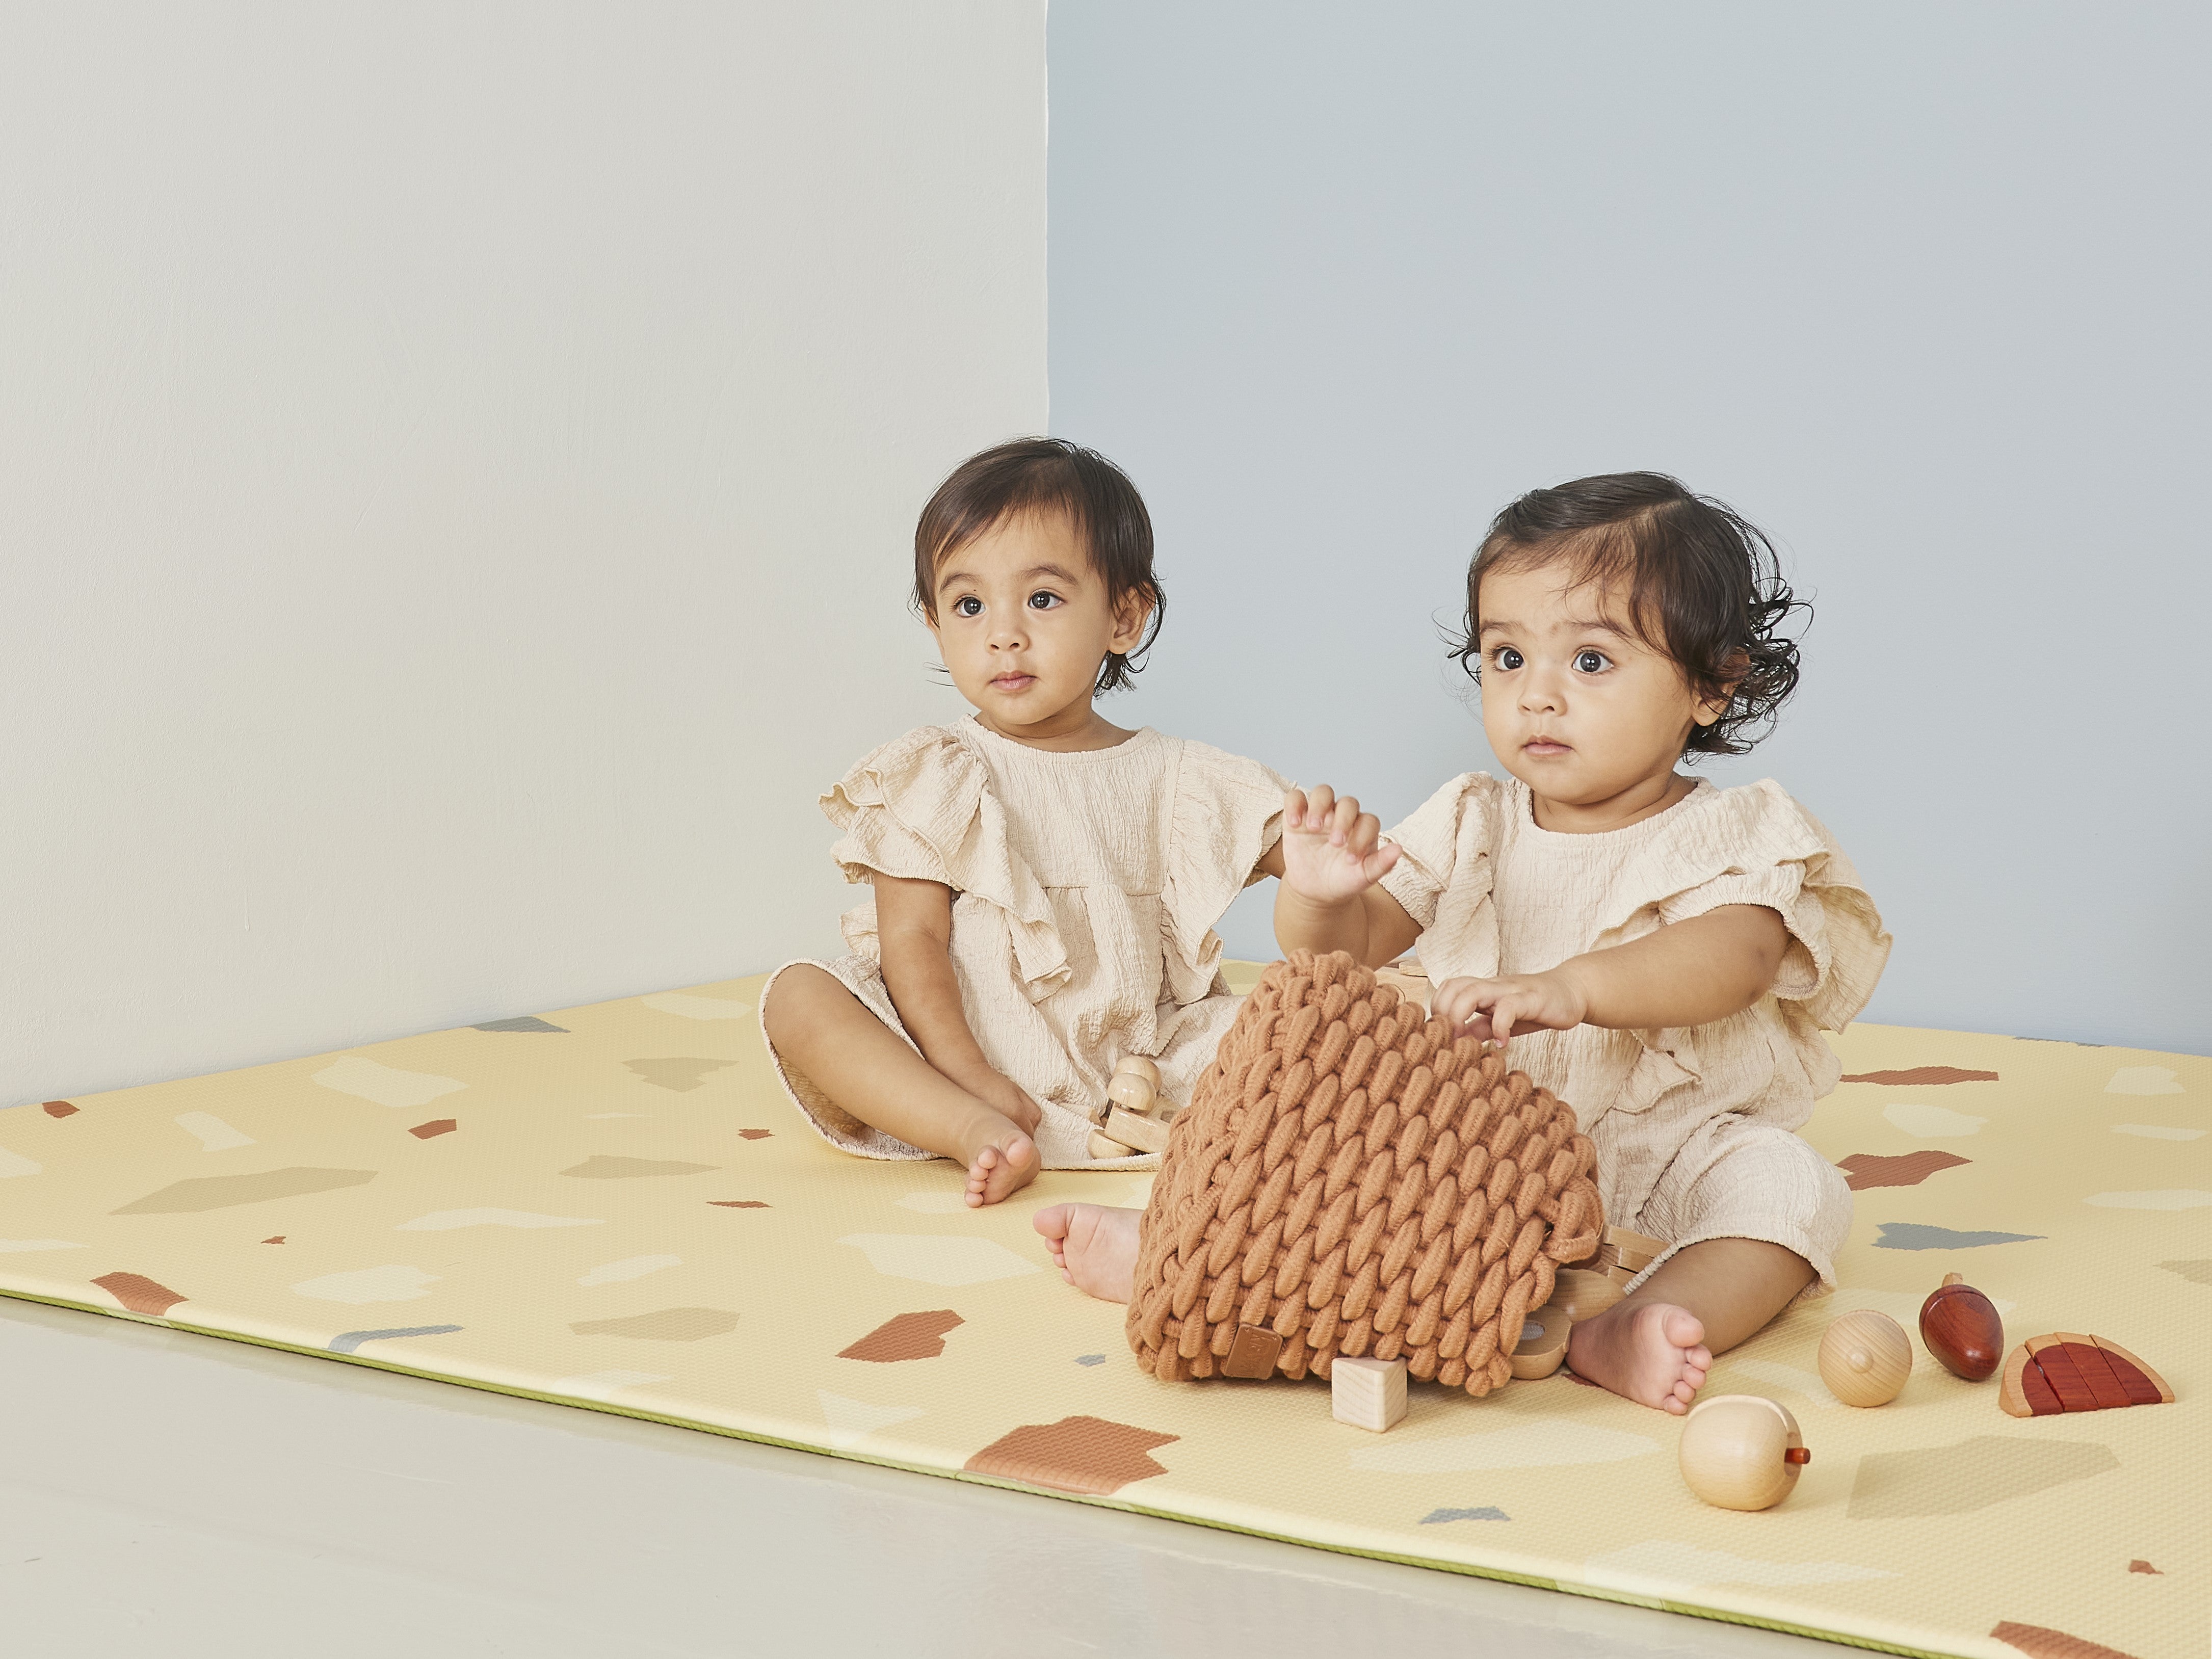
1068,576
1599,625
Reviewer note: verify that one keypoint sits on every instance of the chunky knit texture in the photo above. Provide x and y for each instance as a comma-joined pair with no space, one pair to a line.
1351,1180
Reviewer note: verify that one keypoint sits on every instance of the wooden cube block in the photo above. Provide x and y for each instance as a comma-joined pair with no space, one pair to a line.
1146,1134
1104,1145
1368,1394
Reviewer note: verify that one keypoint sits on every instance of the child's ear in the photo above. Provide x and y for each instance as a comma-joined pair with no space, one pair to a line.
1131,613
1732,672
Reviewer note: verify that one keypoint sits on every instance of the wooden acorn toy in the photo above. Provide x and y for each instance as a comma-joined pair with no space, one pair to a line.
1865,1358
1742,1451
1961,1328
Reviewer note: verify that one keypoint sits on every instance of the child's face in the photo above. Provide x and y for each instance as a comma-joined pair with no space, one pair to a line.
1574,703
1023,624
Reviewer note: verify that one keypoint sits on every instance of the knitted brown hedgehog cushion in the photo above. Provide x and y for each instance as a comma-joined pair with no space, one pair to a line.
1349,1178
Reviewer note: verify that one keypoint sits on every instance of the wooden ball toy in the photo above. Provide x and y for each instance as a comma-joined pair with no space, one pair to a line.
1742,1451
1865,1358
1961,1328
1138,1065
1131,1093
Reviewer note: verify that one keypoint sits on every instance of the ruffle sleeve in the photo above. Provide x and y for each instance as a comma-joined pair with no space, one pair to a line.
921,808
1225,812
1755,845
1444,847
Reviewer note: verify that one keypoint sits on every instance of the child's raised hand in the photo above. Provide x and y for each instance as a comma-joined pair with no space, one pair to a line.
1331,851
1496,1008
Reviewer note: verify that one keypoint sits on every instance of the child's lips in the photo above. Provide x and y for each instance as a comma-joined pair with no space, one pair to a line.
1013,682
1541,747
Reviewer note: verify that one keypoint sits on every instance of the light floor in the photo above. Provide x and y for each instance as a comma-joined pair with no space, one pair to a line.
162,1493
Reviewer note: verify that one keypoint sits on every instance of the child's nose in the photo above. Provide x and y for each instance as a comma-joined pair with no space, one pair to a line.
1540,693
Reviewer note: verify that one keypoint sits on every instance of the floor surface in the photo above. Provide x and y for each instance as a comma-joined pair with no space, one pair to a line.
163,1493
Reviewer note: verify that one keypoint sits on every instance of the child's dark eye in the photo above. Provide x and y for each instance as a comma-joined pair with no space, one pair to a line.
968,605
1506,657
1592,662
1043,601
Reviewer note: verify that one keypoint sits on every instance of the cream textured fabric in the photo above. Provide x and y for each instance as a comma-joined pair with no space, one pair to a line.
1668,1110
1087,887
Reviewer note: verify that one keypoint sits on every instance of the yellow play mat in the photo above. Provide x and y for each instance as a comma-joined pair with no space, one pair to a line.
614,1206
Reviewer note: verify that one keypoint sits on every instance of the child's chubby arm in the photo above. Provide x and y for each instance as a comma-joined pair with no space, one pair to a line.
1330,858
914,931
1686,972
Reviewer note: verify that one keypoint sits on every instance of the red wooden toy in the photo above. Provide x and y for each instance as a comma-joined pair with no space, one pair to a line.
1961,1329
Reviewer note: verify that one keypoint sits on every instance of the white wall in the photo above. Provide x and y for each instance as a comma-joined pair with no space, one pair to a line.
1921,289
457,466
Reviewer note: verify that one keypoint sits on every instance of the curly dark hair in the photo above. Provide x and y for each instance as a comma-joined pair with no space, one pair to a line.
1704,585
1048,475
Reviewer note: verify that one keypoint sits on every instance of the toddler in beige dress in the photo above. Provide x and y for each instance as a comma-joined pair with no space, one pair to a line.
1662,954
1045,885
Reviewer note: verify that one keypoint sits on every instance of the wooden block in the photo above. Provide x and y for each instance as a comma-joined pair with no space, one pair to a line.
1146,1134
1104,1145
1138,1065
2123,1362
1865,1358
1415,988
1253,1353
1368,1394
1630,1244
1623,1277
1581,1293
1131,1093
1543,1346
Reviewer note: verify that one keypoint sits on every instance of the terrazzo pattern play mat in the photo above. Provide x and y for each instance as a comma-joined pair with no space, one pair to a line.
614,1206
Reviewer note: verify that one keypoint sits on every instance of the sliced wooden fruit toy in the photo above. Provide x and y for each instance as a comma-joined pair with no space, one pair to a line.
2063,1373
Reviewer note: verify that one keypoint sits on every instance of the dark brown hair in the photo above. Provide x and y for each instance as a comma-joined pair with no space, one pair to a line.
1048,475
1703,582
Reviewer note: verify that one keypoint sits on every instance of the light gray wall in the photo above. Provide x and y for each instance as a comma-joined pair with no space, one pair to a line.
457,467
1921,289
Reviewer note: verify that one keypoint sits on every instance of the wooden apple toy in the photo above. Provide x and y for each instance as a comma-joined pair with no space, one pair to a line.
1962,1330
1742,1451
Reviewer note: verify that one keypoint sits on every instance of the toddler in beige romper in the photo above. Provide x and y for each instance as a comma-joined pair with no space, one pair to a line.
1693,1127
1087,885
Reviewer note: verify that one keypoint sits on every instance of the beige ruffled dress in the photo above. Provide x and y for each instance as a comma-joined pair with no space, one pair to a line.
1694,1127
1087,887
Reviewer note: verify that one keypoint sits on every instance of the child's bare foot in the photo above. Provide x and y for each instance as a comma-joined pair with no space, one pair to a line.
1001,1163
1652,1353
1095,1248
